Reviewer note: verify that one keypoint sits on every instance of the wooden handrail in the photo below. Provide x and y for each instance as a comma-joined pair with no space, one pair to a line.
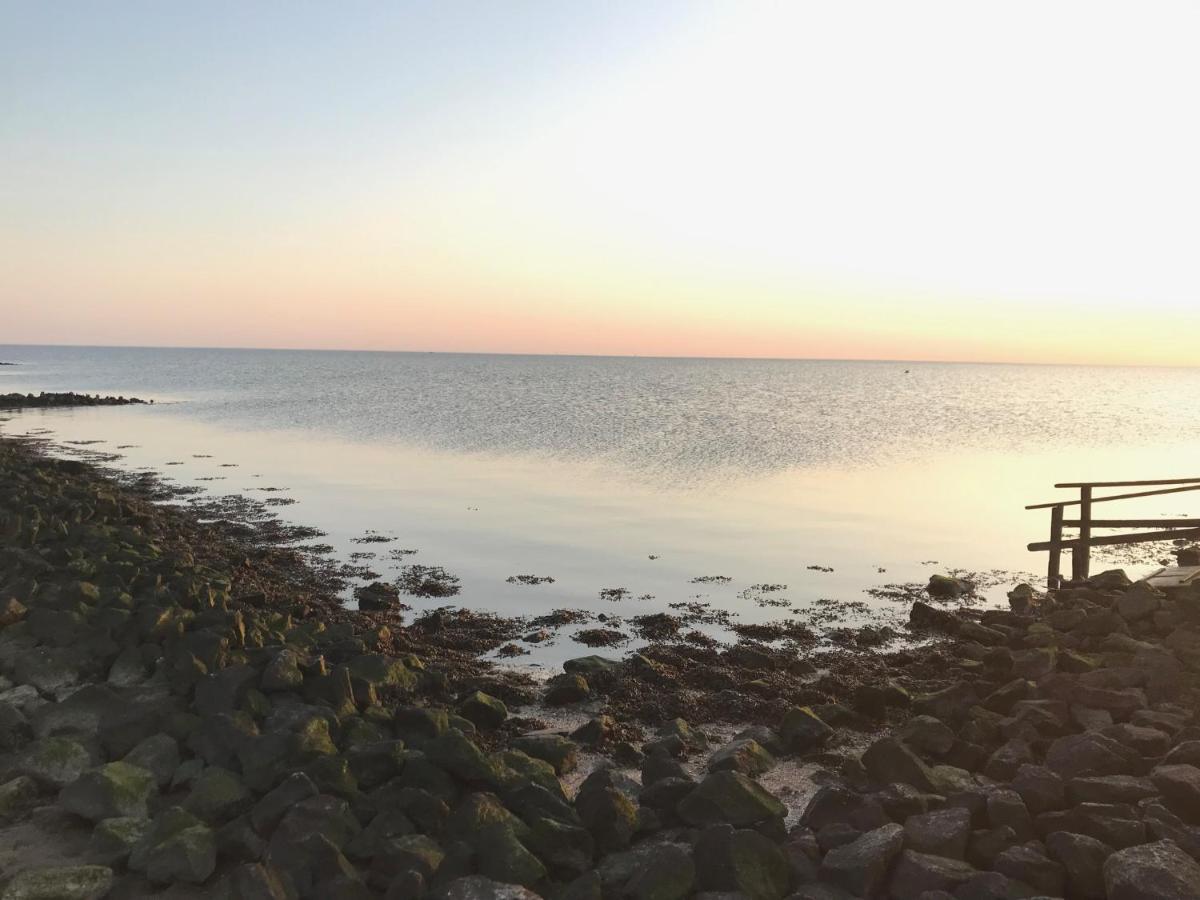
1082,484
1190,487
1136,523
1135,538
1080,545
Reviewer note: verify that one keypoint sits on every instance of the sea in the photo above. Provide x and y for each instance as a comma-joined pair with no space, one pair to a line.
764,491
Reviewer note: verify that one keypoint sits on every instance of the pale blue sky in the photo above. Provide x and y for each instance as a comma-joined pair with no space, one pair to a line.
933,179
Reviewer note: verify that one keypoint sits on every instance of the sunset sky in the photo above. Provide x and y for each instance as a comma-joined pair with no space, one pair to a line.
968,181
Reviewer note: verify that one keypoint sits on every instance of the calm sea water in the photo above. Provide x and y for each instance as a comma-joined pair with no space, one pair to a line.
583,468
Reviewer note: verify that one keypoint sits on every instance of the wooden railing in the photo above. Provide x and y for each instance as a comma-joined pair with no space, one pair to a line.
1080,546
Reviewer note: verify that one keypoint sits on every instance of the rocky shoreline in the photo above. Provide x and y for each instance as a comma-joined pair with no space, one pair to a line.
185,711
45,399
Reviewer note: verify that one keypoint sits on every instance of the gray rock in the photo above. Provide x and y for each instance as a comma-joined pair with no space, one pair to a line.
1110,789
861,866
741,860
928,734
1089,754
914,873
114,839
189,855
271,808
53,762
802,730
60,883
476,887
744,755
1180,787
1158,871
158,755
888,761
1082,858
1027,864
667,874
113,790
729,798
943,832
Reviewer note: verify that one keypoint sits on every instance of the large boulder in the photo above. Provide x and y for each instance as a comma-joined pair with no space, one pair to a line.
741,860
729,798
114,789
861,866
1158,871
60,883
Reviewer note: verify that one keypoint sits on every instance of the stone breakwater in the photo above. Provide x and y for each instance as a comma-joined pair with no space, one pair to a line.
70,398
184,714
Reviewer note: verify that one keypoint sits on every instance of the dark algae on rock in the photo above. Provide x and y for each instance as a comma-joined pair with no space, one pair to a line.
187,710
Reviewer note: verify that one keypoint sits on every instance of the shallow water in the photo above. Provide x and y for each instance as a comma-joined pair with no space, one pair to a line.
583,469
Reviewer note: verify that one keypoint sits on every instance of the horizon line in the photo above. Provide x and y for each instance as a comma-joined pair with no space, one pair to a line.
830,359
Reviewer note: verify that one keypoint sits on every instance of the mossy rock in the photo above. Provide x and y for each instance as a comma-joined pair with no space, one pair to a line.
115,789
218,795
501,855
114,839
729,798
189,855
555,749
484,710
60,883
382,670
53,762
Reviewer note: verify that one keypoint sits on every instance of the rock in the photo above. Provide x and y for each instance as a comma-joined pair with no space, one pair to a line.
158,755
53,762
668,874
928,734
950,704
801,730
1180,787
1039,788
16,797
1027,864
189,855
271,808
1158,871
60,883
729,798
924,617
745,755
1005,807
477,887
1138,602
113,790
1082,858
888,761
483,710
217,796
741,860
282,673
1089,754
566,689
555,749
1110,789
861,866
114,839
914,873
943,832
255,881
946,588
606,812
834,803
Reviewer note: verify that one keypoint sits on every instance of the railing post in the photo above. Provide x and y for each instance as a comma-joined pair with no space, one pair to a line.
1054,571
1081,556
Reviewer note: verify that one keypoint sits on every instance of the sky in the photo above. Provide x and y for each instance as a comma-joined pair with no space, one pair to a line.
1014,181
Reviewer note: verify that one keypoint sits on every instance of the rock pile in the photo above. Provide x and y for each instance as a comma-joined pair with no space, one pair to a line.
70,398
231,744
